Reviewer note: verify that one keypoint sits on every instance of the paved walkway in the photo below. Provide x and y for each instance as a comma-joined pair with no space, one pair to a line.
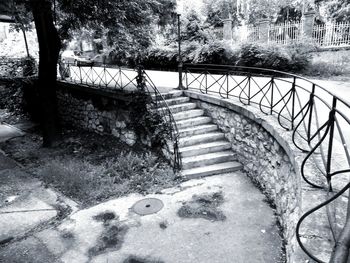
25,204
215,219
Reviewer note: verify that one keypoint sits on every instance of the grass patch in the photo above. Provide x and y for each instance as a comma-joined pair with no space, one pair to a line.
90,168
203,206
330,63
126,173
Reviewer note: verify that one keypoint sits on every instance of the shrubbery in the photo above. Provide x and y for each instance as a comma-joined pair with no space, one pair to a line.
293,58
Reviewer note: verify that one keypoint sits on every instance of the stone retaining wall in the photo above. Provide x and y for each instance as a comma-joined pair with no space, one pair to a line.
105,112
100,113
271,160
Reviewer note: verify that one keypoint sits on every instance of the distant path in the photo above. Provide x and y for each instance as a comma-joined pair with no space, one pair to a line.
337,87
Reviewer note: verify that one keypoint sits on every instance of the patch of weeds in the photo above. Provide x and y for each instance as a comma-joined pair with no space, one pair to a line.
77,179
136,259
143,173
91,168
204,206
105,217
111,237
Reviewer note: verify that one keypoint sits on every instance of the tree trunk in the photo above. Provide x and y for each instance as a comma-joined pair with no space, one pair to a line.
49,47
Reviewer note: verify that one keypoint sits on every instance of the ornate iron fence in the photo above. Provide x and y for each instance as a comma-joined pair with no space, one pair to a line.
318,121
118,78
332,34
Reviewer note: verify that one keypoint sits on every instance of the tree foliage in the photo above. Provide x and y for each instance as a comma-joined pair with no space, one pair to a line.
217,10
338,10
127,25
124,21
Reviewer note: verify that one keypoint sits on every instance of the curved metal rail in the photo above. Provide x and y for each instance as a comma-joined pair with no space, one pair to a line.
317,118
120,78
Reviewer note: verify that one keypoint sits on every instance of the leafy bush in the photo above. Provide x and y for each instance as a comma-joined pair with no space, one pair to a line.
293,58
147,121
161,58
215,52
285,58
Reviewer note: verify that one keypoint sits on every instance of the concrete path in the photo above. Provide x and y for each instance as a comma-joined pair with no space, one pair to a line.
219,219
25,204
216,219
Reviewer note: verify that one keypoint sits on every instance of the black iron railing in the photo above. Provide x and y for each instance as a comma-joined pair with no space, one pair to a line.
119,78
319,122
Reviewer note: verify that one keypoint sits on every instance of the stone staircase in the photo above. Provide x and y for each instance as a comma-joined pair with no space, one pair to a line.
203,147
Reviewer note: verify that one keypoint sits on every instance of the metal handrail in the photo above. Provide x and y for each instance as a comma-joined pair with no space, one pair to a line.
175,135
298,104
121,78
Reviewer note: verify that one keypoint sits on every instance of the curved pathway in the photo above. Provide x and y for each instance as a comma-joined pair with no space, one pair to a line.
221,218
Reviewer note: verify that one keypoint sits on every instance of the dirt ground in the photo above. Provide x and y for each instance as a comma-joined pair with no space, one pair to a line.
88,167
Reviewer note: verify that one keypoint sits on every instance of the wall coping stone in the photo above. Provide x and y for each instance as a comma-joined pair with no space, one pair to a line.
116,94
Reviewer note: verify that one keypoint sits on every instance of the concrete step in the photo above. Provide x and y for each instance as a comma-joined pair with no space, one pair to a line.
180,107
207,159
168,95
201,138
204,148
174,101
188,114
220,168
193,122
200,129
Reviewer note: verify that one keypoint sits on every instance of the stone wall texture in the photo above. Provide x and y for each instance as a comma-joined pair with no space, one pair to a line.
104,113
96,113
272,161
264,161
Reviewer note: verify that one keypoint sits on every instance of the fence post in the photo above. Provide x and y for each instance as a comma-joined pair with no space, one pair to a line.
264,26
227,29
308,24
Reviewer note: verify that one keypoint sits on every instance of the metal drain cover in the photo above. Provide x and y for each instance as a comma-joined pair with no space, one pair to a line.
147,206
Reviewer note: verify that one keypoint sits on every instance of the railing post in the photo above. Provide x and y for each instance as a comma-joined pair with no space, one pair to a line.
227,85
81,79
206,81
331,120
249,77
271,103
92,76
121,79
104,72
179,54
293,101
311,102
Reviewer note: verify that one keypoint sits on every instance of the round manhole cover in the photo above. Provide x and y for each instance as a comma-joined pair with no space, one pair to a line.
147,206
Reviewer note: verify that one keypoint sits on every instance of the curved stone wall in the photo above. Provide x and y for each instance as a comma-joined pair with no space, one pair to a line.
271,161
